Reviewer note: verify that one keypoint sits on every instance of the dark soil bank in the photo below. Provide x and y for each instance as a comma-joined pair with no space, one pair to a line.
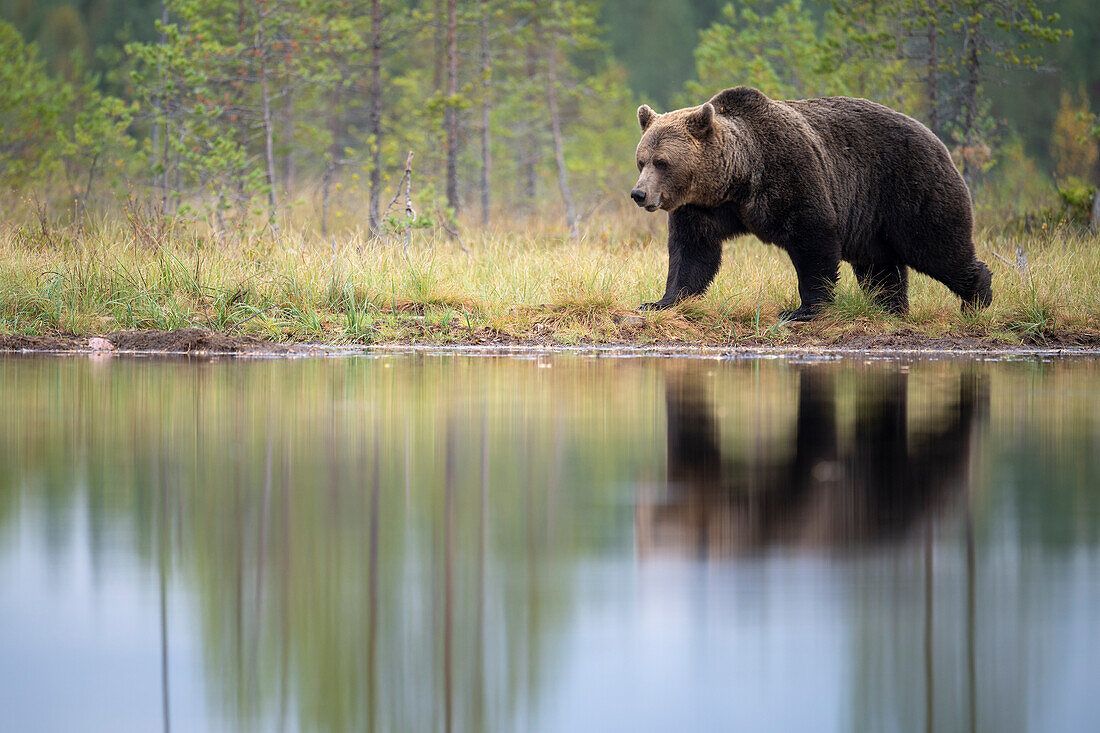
185,341
202,341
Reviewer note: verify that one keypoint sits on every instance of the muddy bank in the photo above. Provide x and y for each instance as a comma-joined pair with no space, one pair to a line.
184,341
198,341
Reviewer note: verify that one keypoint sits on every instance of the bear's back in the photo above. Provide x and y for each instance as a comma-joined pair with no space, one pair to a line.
858,133
856,136
881,164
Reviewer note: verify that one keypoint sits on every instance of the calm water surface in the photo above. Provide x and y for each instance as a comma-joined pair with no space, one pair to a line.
567,543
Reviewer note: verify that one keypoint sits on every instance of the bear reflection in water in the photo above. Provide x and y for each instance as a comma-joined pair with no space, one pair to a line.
878,485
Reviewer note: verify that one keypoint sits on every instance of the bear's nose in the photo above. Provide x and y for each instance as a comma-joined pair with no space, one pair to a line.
638,195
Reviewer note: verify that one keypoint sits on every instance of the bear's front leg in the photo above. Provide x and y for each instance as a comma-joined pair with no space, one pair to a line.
817,265
694,255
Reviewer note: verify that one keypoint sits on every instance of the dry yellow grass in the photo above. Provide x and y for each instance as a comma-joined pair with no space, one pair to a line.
530,285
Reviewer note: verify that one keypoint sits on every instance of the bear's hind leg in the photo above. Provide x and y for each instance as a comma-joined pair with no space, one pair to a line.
887,284
970,280
949,257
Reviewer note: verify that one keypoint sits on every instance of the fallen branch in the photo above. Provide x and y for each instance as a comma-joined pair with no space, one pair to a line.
1021,260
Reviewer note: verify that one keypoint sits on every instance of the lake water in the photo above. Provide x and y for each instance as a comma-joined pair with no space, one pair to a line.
435,542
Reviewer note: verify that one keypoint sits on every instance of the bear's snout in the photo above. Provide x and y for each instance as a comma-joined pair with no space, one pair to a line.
642,199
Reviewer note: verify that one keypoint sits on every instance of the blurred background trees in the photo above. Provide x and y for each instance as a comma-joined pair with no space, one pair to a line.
238,111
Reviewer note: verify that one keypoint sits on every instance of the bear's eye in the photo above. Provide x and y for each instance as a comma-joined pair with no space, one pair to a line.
660,164
640,165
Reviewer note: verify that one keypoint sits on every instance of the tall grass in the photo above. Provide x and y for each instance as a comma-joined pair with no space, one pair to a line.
128,273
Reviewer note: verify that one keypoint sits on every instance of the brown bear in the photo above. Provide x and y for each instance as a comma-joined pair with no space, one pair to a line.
826,179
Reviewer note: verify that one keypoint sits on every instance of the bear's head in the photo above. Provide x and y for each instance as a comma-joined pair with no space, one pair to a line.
676,157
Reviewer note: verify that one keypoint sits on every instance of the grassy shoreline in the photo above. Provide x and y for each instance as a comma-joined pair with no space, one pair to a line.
532,287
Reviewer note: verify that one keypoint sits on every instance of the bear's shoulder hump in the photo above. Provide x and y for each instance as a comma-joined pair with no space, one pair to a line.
738,100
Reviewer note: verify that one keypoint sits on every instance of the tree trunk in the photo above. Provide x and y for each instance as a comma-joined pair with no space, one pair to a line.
219,218
973,69
162,114
176,201
326,187
165,158
288,140
529,152
83,195
559,154
1094,225
450,111
334,161
374,114
269,146
486,105
932,83
439,61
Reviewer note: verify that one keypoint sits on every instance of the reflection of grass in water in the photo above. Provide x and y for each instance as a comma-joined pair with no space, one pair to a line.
530,285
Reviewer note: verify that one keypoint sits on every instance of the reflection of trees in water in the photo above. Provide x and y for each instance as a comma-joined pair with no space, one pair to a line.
312,514
385,623
821,490
405,582
304,508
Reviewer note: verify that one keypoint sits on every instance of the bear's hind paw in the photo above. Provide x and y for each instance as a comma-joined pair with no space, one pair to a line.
800,314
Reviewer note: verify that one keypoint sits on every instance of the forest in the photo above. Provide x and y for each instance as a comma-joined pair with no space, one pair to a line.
392,170
222,111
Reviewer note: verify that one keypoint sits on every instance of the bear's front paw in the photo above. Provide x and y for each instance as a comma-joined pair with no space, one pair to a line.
801,314
658,306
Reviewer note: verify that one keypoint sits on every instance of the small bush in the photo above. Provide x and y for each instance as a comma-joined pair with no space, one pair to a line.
1076,200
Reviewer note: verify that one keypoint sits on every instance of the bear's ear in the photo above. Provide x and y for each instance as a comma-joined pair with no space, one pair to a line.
646,116
700,121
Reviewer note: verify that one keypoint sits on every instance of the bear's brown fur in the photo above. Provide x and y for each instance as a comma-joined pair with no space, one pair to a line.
825,179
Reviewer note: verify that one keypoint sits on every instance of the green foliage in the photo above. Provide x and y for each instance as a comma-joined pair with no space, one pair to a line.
1070,213
231,110
96,30
793,50
395,225
1076,203
598,136
94,138
654,42
31,106
1016,187
985,35
930,58
51,124
204,88
778,52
